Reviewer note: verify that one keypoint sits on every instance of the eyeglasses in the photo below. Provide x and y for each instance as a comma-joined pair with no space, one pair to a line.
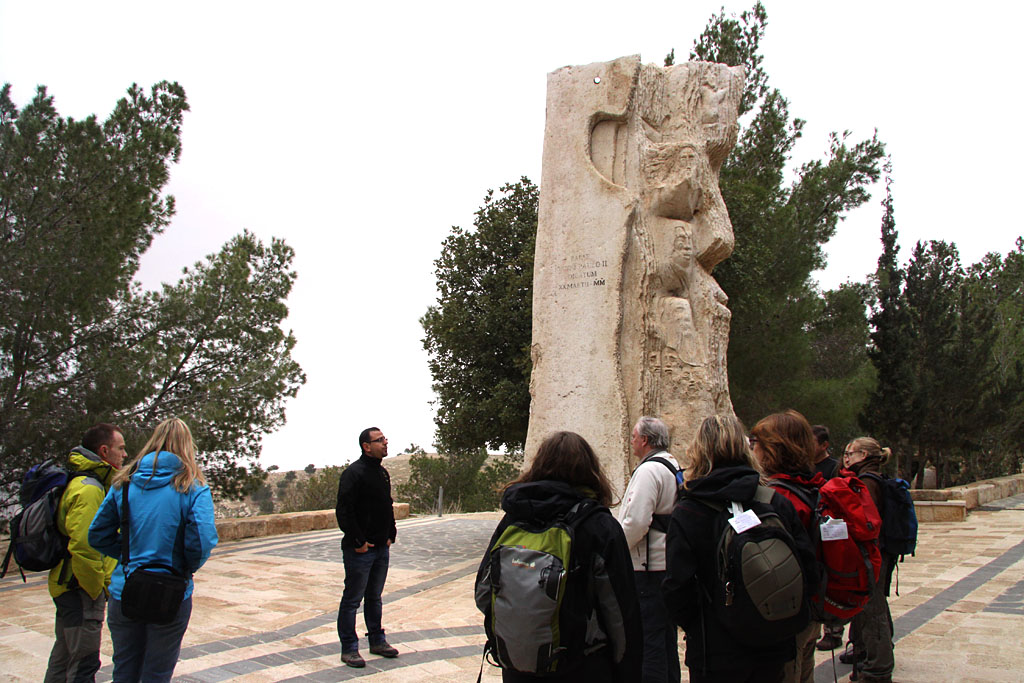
379,439
849,453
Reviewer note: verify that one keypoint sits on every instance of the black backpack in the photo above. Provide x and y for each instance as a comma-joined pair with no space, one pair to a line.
758,591
899,519
36,542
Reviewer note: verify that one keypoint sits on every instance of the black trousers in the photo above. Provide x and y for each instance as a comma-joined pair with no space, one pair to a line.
661,643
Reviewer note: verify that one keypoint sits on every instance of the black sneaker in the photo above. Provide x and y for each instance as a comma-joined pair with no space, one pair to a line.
384,650
353,659
851,656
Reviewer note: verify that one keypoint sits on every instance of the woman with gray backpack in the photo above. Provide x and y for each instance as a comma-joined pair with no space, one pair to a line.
740,565
157,520
556,582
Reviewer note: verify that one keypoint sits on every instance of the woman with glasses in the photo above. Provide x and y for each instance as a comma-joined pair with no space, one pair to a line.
871,630
785,447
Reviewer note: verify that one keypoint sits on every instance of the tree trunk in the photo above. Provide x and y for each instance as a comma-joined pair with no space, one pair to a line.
917,466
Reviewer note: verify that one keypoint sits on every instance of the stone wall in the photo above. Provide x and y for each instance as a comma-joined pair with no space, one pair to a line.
953,504
237,528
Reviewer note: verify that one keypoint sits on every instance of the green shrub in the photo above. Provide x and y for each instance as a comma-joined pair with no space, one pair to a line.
471,484
319,492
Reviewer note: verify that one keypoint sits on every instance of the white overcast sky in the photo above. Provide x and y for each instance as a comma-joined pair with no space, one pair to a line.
361,132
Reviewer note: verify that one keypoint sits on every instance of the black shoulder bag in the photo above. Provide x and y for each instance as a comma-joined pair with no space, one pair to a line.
153,597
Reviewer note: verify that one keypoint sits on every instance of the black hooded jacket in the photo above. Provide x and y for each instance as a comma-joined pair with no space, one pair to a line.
691,549
598,537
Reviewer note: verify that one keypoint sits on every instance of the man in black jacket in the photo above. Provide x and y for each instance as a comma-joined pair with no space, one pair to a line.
367,520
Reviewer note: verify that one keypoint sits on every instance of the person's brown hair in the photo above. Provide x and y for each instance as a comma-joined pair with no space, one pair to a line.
787,442
98,435
567,457
720,441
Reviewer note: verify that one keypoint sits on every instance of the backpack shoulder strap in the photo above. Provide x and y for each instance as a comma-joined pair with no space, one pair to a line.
872,475
664,461
581,510
764,494
799,491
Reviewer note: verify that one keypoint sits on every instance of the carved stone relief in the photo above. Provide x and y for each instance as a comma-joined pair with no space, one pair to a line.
628,319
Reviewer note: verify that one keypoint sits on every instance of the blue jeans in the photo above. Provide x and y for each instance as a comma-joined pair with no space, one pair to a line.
145,652
661,644
365,574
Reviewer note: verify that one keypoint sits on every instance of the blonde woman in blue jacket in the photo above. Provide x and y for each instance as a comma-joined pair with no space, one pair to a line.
166,491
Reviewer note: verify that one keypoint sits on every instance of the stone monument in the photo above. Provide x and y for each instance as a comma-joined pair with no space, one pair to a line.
627,318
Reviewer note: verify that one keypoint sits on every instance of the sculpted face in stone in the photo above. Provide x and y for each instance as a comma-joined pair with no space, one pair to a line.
628,320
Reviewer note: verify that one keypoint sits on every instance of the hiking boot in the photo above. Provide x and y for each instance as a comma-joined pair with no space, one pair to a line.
384,650
829,642
353,659
851,656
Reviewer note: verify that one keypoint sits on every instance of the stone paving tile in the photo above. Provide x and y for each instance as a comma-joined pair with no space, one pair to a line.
422,549
265,609
1011,601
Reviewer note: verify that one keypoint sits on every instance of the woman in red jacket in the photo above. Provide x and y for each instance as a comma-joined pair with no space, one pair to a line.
784,446
871,629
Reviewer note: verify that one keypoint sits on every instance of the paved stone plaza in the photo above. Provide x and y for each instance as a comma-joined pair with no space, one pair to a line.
265,608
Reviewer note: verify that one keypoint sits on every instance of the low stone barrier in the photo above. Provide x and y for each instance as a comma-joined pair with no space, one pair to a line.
940,510
235,528
952,504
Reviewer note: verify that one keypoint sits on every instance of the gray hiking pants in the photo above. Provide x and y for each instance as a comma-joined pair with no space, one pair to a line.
75,657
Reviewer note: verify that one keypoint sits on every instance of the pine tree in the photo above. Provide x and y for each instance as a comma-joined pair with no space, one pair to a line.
780,228
888,412
478,334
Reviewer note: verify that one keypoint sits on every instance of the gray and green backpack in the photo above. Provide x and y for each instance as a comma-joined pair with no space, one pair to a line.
534,592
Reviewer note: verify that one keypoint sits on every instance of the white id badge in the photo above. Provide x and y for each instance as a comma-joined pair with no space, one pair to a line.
834,530
744,521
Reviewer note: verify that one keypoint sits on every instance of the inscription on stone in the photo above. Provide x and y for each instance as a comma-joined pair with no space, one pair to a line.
581,271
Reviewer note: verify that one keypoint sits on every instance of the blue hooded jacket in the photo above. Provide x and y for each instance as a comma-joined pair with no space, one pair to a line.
157,511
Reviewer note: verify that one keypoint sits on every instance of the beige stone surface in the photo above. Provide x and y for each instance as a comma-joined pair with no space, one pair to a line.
627,319
965,583
940,511
977,493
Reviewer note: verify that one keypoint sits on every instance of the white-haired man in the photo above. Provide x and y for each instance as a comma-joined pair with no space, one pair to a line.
644,513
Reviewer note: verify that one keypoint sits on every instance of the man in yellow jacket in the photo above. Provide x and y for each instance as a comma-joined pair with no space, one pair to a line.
78,585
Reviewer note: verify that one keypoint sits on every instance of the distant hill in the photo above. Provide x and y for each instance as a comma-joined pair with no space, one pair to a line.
399,469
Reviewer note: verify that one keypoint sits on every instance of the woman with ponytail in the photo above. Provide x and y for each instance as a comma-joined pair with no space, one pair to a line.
170,523
871,630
